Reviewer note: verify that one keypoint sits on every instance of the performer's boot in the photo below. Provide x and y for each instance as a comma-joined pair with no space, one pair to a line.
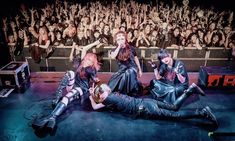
207,113
198,90
192,88
49,121
63,83
67,80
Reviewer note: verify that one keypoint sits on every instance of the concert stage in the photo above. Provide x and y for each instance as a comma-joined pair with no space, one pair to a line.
18,109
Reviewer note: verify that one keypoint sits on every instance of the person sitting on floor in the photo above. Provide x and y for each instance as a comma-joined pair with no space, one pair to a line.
171,78
77,85
125,80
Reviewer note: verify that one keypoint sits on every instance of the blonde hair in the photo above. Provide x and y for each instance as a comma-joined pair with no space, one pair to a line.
105,87
99,90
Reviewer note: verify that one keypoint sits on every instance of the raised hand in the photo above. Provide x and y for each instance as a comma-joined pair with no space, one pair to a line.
92,89
13,25
17,17
153,65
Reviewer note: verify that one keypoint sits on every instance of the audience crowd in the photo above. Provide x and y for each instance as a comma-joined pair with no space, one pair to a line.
160,25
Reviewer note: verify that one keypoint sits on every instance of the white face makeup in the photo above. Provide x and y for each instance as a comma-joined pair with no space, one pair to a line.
166,60
120,39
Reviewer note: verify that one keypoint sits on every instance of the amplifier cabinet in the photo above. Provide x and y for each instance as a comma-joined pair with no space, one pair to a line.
15,75
216,76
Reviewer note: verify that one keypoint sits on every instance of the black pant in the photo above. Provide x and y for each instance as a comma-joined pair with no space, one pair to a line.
150,109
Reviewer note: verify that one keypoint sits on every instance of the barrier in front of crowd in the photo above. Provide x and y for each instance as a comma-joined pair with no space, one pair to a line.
192,58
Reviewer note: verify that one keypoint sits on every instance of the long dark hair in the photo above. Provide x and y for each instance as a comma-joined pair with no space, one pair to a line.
124,53
163,53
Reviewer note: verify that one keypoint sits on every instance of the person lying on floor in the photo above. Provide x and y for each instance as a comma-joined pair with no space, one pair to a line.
101,96
77,85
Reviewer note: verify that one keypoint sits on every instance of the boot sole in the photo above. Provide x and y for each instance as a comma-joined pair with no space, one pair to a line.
38,126
214,120
50,125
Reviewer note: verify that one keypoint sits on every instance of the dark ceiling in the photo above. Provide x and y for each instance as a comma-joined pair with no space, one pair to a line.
11,6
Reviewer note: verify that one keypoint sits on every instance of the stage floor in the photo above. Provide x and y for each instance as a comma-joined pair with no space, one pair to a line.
17,111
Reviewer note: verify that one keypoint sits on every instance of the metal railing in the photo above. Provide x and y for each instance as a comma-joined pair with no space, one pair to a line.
192,57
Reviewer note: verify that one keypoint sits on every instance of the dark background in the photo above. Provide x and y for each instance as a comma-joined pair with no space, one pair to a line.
11,6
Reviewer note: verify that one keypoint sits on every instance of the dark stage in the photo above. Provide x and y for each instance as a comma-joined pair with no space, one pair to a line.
17,110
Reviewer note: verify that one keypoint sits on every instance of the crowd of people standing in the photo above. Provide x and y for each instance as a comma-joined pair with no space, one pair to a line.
160,25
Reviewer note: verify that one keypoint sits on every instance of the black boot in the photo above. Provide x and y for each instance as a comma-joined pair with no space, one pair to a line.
197,89
49,121
191,89
207,113
63,83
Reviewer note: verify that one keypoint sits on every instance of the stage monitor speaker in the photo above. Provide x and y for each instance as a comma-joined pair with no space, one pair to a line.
216,76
